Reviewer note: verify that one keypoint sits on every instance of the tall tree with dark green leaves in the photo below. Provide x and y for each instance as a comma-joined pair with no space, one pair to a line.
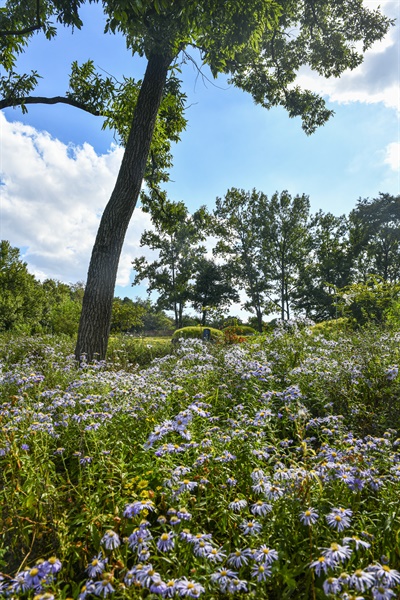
260,44
212,288
327,268
375,237
284,228
237,227
21,296
177,239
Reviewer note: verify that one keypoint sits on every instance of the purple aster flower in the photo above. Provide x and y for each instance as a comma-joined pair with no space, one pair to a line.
186,486
321,564
359,543
166,542
184,514
385,575
158,587
332,585
380,592
216,555
97,566
261,572
362,580
239,558
339,518
32,577
309,516
251,527
236,585
223,577
110,540
337,553
103,587
202,548
266,555
135,508
238,504
260,508
190,589
170,588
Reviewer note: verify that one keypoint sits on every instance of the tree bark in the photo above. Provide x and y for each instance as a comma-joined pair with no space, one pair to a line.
94,326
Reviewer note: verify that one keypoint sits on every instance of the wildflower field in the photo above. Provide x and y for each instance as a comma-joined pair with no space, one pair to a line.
268,469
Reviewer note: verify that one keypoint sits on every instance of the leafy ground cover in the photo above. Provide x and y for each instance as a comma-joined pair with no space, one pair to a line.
268,469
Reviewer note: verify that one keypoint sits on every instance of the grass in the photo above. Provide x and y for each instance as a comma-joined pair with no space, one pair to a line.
268,469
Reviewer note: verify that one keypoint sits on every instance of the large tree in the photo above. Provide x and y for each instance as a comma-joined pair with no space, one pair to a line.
177,238
375,237
261,44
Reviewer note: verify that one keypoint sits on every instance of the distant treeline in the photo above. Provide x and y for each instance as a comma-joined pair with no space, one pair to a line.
270,253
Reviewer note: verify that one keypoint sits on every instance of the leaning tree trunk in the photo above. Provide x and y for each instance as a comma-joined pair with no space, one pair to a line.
94,326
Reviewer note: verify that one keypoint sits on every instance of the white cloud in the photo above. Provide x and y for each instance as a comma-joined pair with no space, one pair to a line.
51,199
376,79
392,157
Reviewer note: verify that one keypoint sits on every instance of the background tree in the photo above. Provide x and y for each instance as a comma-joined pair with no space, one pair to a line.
284,226
327,267
375,237
237,228
176,238
261,43
21,296
62,307
211,288
126,315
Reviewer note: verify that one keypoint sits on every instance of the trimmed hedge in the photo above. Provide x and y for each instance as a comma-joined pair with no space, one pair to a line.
197,332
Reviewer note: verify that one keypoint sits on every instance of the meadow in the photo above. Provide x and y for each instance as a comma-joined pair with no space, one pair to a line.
268,469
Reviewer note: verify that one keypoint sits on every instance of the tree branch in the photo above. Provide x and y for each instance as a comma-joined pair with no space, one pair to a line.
5,32
12,102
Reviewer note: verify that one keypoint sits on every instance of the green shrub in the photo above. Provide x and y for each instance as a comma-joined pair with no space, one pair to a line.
332,327
197,332
239,330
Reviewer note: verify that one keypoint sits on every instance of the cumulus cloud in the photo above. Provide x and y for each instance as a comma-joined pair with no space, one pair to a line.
392,157
376,79
52,196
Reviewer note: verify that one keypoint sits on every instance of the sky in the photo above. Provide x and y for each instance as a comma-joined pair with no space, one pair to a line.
58,167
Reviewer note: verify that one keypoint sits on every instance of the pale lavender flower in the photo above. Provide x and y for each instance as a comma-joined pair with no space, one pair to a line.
110,540
238,504
261,572
190,589
358,542
216,555
321,564
236,585
362,580
339,518
337,553
223,577
384,574
166,542
332,585
103,587
260,508
97,566
239,558
309,516
250,527
135,508
266,555
380,592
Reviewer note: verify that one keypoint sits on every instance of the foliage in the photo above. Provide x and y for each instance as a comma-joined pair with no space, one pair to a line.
126,315
375,237
368,302
21,298
240,329
236,466
197,332
177,238
211,288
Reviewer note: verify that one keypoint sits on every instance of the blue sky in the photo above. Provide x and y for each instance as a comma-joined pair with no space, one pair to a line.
58,167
